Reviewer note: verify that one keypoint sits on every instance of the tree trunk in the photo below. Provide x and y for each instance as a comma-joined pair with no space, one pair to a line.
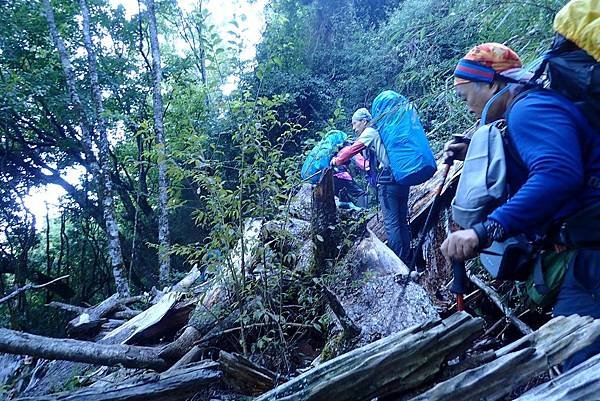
163,219
324,221
110,217
70,80
14,342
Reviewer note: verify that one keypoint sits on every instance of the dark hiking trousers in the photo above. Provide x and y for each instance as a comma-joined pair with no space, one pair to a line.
580,294
393,199
349,191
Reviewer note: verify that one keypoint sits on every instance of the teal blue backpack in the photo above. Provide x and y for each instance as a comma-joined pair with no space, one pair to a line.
320,156
411,159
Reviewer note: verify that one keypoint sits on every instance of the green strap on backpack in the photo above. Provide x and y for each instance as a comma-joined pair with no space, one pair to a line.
547,275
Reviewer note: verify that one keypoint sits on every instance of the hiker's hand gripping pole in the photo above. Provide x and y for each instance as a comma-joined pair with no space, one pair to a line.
456,149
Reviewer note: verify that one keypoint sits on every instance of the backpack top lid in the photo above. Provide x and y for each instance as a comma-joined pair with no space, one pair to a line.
579,21
388,106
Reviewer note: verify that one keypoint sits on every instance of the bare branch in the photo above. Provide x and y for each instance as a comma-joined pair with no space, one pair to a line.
29,287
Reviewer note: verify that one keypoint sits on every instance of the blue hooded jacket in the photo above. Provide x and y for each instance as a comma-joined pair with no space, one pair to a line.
562,153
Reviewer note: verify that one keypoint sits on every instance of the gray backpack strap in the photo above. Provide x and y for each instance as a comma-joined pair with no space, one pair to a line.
482,185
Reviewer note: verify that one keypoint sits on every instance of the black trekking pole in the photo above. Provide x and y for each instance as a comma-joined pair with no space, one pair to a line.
434,205
459,283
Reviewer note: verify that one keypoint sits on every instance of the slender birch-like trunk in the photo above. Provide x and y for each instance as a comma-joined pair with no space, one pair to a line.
110,216
70,78
163,219
106,191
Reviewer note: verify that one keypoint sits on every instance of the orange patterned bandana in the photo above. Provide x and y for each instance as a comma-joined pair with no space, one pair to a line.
483,62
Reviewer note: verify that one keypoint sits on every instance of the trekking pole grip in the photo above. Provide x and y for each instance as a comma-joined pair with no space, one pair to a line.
459,284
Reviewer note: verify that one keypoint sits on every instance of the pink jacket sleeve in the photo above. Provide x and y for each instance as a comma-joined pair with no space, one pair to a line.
347,152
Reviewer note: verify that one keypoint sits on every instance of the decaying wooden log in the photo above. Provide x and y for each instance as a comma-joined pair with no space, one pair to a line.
581,383
324,225
67,307
518,362
244,376
178,348
14,342
189,279
59,371
493,295
111,324
213,307
126,314
89,322
144,320
168,386
174,320
397,363
209,313
193,355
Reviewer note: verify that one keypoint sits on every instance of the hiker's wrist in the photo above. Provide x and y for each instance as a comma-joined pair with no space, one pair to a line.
495,230
489,231
482,235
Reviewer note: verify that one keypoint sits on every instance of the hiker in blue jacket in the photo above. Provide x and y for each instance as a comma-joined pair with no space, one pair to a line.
393,197
559,174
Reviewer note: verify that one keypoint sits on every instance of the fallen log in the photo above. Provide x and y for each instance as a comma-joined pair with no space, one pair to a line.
581,383
244,376
189,279
67,307
14,342
88,323
214,306
126,314
205,317
193,355
174,320
56,373
175,385
394,364
144,320
519,361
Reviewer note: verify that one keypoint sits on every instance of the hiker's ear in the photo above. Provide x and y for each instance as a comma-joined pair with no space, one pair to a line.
496,86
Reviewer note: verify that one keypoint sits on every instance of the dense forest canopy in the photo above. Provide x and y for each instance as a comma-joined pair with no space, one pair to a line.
226,157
